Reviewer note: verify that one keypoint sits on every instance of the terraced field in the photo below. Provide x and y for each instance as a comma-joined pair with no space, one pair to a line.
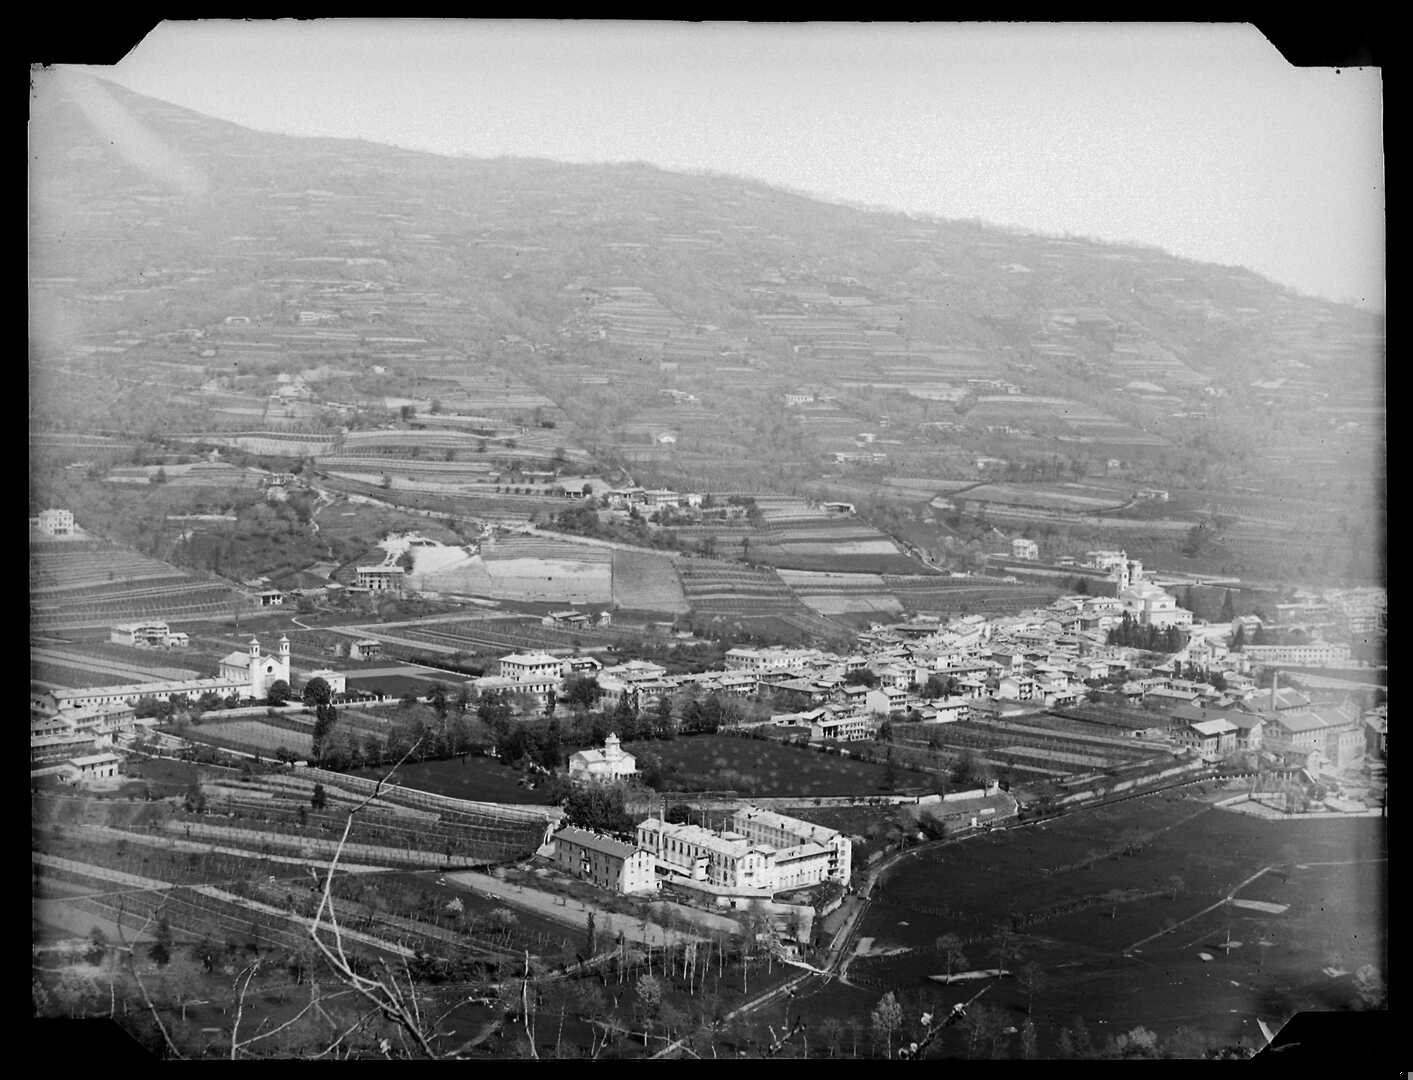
86,583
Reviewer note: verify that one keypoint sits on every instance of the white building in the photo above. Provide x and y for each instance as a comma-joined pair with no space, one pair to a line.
530,667
608,863
1311,654
259,672
1022,548
603,766
337,680
725,859
56,522
380,578
146,633
778,830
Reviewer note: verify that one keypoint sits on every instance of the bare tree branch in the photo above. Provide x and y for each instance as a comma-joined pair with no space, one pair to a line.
385,994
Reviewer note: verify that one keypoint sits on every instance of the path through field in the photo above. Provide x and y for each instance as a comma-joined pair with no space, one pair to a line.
575,912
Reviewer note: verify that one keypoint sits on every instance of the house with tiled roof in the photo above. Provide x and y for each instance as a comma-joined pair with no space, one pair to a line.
608,863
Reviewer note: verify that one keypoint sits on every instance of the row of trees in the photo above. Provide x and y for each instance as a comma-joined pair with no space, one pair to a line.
1135,635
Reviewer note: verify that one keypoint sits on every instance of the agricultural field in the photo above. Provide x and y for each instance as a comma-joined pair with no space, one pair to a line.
967,595
105,666
251,736
1074,901
645,582
1031,749
768,769
79,583
288,444
835,594
479,779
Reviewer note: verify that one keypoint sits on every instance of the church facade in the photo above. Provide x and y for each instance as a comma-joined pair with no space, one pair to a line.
257,671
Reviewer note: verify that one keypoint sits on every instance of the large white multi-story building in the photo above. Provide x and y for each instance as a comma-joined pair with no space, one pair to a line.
1313,653
530,667
726,859
766,826
761,851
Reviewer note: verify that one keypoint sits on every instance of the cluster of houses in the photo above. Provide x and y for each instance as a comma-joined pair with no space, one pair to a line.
986,669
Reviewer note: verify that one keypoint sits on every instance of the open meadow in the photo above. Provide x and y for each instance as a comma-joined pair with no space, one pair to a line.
1076,895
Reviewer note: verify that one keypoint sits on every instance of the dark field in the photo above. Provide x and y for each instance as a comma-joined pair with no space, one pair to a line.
477,778
768,769
975,887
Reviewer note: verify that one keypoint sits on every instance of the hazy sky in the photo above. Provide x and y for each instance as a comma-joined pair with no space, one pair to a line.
1199,139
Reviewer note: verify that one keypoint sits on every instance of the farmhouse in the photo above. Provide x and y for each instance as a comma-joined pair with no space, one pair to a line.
102,766
1024,549
365,649
380,578
608,863
56,522
603,766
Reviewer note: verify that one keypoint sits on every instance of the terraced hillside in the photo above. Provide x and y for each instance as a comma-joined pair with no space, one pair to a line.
87,583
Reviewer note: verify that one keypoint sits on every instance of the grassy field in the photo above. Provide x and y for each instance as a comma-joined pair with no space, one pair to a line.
767,769
477,778
1079,902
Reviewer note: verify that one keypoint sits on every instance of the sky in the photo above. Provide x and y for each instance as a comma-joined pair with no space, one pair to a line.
1196,138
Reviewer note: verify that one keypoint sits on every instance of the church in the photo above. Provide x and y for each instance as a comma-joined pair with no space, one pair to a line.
603,766
257,671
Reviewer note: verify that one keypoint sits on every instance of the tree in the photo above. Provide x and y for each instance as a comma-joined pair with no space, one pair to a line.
277,693
832,1030
580,689
97,946
1228,608
1175,886
886,1019
679,814
161,951
317,691
861,677
325,717
983,1026
1032,981
1136,1043
591,939
438,700
1029,1042
648,1000
319,799
949,948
